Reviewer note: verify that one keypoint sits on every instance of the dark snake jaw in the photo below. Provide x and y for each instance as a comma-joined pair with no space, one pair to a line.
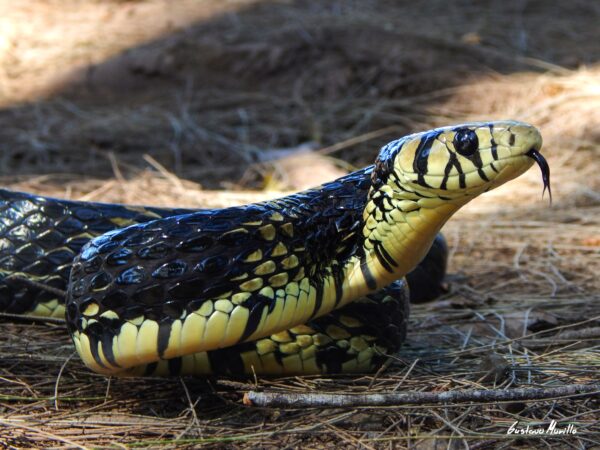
544,167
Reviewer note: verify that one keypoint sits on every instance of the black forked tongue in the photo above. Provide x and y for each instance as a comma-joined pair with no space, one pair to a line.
544,167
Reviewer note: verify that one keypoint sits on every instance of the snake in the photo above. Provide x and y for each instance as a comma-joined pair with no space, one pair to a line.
316,282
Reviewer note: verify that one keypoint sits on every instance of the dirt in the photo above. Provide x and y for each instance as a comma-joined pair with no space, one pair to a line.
215,103
205,85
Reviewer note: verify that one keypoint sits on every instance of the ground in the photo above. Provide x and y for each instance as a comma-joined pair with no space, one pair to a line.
215,103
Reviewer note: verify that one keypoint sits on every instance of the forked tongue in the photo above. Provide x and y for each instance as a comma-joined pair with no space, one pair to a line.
544,167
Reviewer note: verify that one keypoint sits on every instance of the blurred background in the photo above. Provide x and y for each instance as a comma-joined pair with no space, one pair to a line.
153,101
213,103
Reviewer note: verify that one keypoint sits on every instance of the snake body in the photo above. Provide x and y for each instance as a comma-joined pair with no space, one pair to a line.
40,237
309,283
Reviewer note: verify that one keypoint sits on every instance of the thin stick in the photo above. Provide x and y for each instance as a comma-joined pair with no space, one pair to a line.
36,284
174,179
36,319
357,140
62,368
8,423
318,400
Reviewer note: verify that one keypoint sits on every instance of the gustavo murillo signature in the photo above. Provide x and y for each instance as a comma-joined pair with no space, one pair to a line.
552,428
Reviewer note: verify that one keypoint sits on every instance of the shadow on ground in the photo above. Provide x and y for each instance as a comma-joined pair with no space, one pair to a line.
206,98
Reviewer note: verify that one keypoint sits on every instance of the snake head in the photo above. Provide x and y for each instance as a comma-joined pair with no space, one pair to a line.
418,182
455,164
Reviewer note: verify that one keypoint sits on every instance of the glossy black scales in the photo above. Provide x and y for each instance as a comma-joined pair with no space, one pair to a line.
40,236
169,268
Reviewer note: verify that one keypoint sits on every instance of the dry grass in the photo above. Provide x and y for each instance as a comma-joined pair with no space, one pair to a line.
516,292
200,108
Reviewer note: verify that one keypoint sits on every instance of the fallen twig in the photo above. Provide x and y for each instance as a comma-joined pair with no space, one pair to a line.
563,338
319,400
21,318
60,293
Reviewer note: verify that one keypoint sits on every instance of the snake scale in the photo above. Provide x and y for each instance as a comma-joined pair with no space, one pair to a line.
309,283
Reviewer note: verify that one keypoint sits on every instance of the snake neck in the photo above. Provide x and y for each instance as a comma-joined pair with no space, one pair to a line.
397,235
374,229
398,227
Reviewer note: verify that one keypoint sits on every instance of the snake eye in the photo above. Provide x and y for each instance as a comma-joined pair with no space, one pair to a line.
466,142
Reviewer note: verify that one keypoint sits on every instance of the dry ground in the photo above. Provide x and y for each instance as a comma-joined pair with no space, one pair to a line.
163,103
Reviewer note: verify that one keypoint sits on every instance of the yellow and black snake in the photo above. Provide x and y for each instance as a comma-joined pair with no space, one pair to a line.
309,283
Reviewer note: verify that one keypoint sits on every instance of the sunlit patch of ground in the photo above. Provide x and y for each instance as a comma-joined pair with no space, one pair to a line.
46,44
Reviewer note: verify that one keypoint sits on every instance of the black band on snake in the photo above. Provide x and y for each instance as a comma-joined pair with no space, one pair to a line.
308,283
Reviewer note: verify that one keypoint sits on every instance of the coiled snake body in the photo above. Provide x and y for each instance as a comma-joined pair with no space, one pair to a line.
308,283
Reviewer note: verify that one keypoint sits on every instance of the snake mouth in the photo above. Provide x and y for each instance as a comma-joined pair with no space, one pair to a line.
534,154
